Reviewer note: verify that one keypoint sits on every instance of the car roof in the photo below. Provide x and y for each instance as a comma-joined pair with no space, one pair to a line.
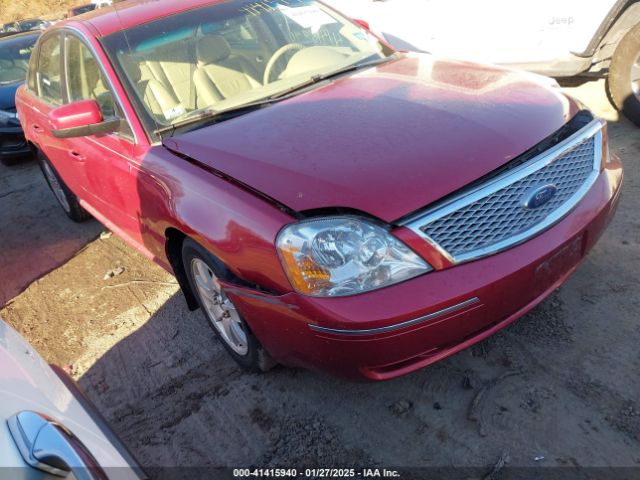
123,15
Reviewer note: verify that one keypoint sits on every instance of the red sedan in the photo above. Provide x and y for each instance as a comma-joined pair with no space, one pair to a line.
327,201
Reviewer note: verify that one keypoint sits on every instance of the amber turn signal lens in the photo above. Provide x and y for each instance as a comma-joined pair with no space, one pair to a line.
306,277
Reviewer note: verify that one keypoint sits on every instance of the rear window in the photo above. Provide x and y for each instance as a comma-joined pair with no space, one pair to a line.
15,53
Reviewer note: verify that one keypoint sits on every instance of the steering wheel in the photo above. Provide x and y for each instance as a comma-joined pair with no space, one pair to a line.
268,70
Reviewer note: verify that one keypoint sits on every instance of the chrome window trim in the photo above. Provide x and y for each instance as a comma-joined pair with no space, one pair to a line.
422,219
85,39
390,328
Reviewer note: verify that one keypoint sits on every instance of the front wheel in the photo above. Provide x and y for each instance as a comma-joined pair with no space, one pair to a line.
65,197
204,271
624,76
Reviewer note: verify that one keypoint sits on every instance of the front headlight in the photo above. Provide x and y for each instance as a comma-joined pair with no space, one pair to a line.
339,256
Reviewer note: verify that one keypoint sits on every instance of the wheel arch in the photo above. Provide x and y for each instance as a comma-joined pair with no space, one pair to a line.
621,18
173,249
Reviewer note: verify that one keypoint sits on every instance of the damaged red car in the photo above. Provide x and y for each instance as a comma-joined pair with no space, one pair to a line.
327,201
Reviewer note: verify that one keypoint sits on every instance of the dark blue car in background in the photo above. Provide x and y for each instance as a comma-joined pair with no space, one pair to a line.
15,52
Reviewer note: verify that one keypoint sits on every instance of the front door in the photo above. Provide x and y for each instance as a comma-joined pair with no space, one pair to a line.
109,174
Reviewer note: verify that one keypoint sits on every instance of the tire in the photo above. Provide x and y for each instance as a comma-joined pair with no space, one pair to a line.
619,83
63,195
238,340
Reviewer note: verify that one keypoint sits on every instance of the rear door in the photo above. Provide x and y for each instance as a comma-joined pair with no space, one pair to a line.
45,92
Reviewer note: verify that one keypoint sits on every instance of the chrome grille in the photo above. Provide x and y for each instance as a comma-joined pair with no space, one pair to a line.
493,217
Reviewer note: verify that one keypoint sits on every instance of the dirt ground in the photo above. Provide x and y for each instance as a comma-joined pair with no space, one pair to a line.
559,387
11,10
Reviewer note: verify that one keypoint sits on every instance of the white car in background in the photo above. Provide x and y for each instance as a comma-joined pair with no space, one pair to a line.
558,38
48,428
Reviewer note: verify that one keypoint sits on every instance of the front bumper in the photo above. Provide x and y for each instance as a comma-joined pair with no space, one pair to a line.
405,327
13,144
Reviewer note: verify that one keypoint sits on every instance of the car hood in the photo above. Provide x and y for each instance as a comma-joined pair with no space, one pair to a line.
386,141
8,95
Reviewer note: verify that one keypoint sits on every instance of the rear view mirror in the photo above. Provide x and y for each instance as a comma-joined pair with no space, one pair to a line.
80,119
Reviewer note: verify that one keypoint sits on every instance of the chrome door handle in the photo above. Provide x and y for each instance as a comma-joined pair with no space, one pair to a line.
48,446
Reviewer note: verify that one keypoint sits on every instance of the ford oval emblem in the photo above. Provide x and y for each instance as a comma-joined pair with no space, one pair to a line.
539,196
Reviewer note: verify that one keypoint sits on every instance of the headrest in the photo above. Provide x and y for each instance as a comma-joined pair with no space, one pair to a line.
131,67
212,49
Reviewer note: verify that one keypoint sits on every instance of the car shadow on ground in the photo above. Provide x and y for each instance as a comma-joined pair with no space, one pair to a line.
35,235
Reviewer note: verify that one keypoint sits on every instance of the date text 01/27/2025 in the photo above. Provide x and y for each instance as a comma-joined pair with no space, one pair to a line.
315,473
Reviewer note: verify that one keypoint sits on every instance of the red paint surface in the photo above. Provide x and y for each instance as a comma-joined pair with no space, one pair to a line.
387,141
76,114
508,285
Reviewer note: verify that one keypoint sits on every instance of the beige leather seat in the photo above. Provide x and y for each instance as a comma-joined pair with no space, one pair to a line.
173,66
93,86
162,101
219,74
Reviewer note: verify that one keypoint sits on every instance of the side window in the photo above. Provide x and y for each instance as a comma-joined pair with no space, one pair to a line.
85,81
49,78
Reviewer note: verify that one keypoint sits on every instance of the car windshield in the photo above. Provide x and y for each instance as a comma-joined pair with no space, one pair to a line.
226,55
14,57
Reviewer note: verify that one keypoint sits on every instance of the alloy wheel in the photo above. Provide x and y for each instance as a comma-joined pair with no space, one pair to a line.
219,308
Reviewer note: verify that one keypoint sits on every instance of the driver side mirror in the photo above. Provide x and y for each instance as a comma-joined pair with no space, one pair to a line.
80,119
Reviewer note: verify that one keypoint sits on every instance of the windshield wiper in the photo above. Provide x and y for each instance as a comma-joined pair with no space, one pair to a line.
212,114
328,76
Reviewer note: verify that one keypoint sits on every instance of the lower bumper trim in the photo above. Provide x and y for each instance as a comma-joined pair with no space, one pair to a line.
389,328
